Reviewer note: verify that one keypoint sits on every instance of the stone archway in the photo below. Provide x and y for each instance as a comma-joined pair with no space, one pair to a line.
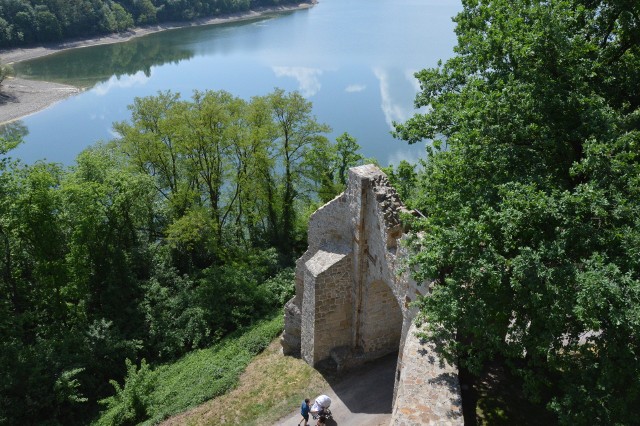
352,305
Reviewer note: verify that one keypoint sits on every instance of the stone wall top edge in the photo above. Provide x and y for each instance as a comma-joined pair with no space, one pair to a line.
366,171
336,201
322,261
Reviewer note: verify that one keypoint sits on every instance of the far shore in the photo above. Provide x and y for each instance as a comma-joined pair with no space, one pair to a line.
20,97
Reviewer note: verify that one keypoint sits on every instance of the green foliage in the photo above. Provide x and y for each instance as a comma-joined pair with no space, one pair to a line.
531,228
67,386
130,404
404,179
231,293
151,396
346,156
297,134
184,313
173,314
148,253
11,135
145,12
281,287
331,163
231,170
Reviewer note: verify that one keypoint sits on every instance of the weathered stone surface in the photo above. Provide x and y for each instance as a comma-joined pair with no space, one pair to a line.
428,392
290,339
352,304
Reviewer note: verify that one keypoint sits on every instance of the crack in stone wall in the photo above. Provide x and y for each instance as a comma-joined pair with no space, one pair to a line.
352,304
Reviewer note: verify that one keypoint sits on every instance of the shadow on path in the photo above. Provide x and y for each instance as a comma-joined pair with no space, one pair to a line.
368,388
359,397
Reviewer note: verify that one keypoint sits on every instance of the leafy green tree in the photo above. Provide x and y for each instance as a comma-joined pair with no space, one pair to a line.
47,24
25,24
298,133
150,141
174,315
252,162
11,136
111,214
404,179
207,153
146,12
330,164
531,229
36,312
6,32
213,124
123,18
347,156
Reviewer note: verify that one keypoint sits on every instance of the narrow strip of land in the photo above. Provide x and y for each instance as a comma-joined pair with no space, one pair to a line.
20,97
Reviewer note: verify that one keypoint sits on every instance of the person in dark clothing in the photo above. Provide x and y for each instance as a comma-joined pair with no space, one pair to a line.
304,411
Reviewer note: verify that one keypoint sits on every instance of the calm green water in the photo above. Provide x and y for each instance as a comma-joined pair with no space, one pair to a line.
354,59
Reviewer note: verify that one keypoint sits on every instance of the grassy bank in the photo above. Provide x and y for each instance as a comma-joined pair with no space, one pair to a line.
149,396
270,388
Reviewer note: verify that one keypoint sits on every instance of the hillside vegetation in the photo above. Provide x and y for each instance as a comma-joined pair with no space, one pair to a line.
163,241
270,388
150,395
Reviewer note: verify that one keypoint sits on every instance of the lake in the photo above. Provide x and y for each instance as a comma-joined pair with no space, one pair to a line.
353,59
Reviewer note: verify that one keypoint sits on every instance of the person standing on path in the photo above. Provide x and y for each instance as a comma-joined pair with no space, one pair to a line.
304,411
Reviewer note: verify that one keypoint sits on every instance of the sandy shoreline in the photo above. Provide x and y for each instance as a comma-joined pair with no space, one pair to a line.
20,97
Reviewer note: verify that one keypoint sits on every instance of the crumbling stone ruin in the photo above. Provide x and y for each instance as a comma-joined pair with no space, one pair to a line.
352,305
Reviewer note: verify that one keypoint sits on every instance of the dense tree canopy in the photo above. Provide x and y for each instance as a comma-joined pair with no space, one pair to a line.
159,242
24,22
531,195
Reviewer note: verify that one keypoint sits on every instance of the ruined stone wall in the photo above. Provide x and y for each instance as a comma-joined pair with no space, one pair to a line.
327,323
382,230
327,229
353,305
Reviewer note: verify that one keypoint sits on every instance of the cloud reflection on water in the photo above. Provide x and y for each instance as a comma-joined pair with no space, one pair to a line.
397,93
121,82
308,78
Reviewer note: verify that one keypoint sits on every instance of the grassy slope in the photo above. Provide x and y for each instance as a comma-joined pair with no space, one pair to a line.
271,387
209,373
